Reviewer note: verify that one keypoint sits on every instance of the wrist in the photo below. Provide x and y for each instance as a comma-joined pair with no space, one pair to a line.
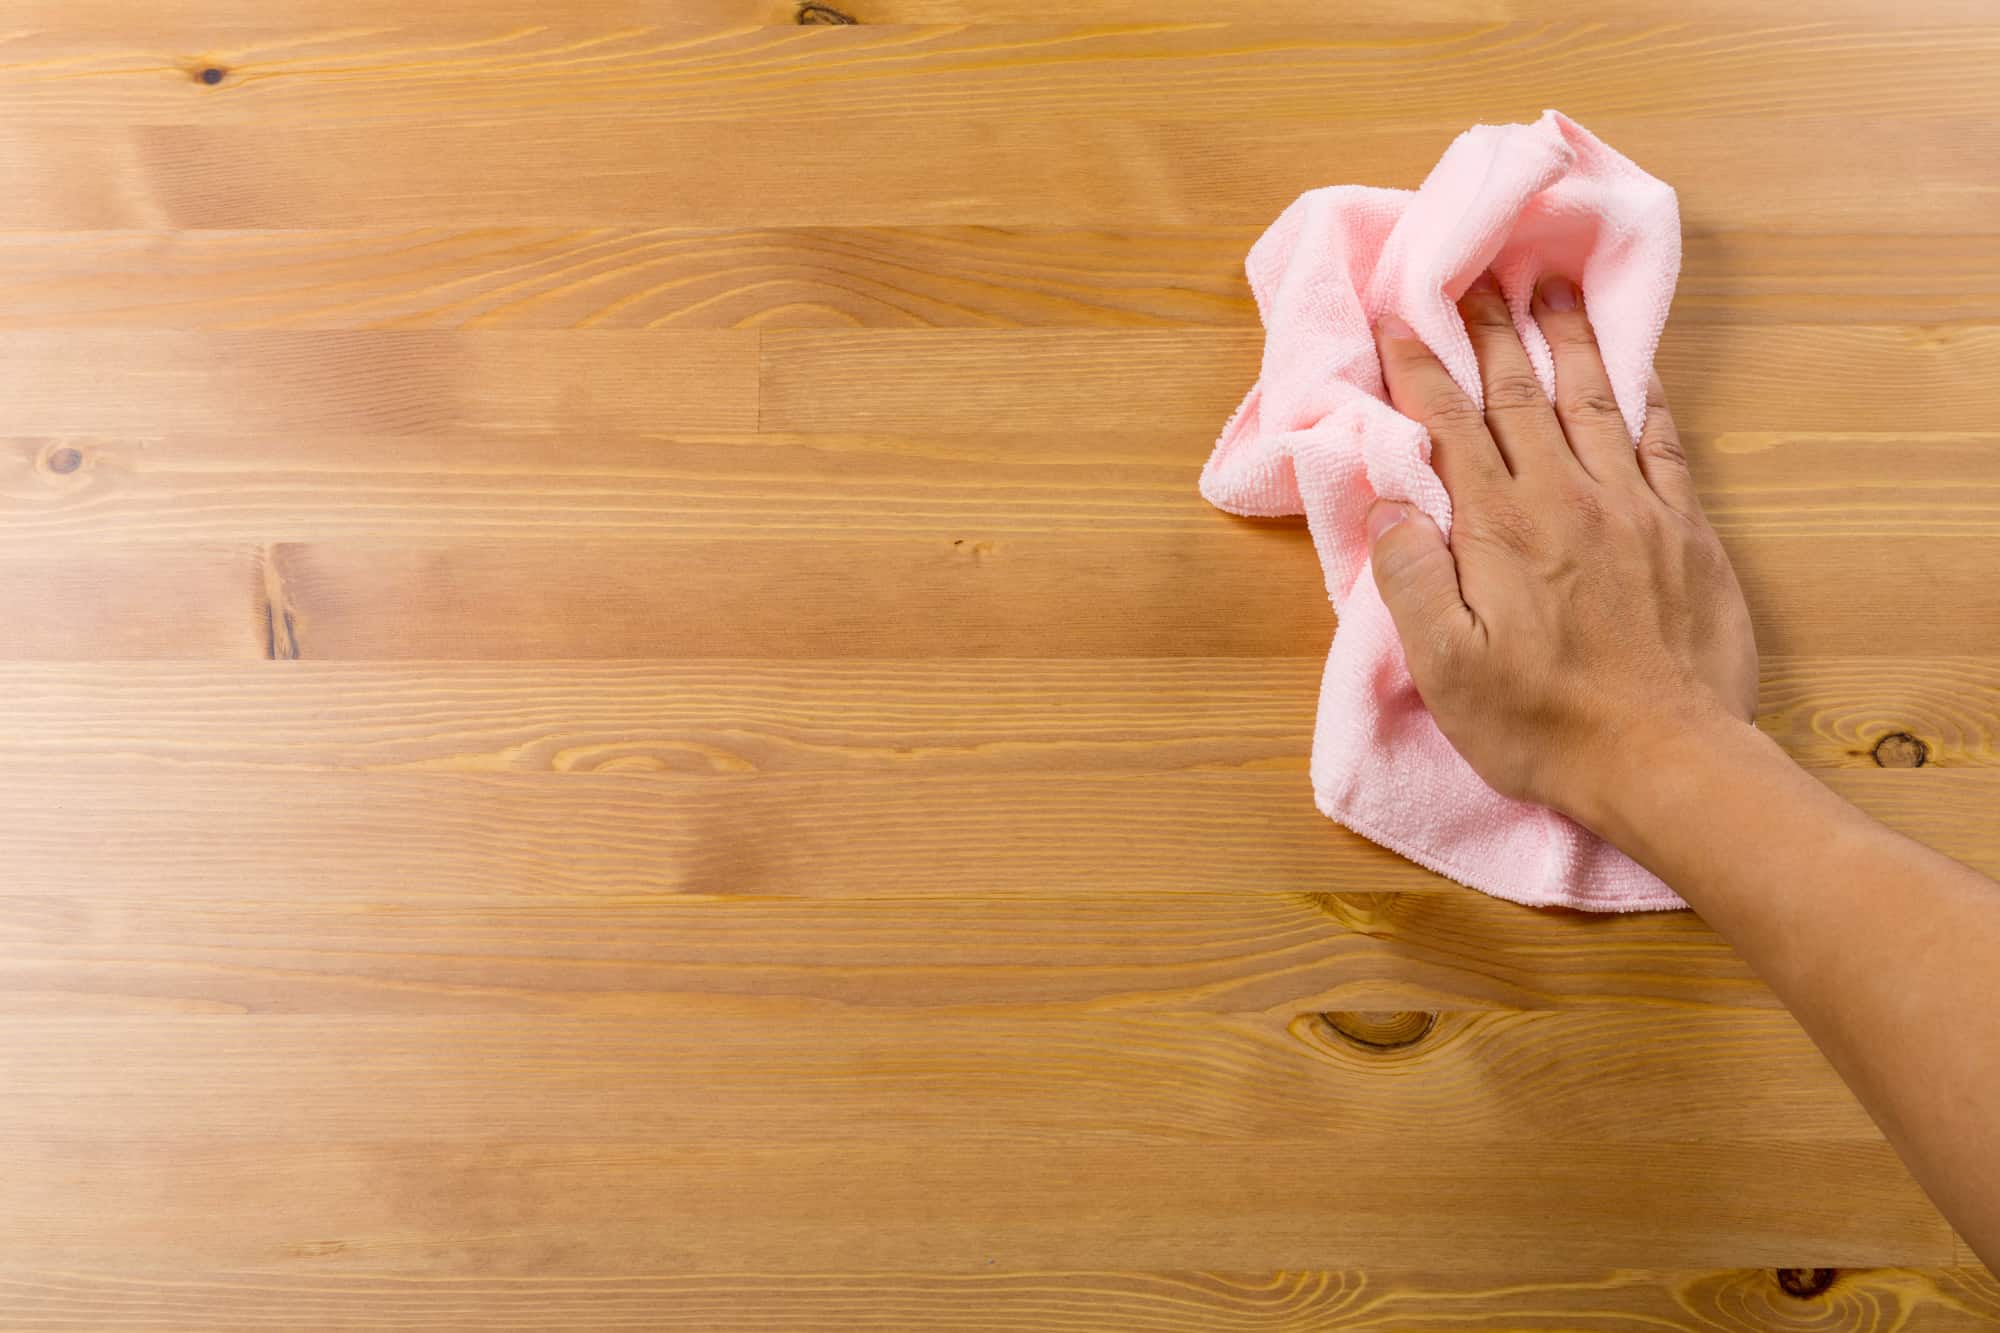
1656,770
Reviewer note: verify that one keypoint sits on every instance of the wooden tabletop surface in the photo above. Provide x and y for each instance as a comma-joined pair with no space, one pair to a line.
620,710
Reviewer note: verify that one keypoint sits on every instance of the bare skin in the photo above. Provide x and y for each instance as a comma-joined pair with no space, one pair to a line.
1582,641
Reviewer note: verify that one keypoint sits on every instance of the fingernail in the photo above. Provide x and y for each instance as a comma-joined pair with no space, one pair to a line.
1393,327
1484,282
1384,515
1558,293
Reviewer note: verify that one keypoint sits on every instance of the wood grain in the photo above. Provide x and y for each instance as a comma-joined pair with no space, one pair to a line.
236,20
617,708
877,277
921,717
1764,378
1866,1300
574,925
991,169
157,383
814,835
191,602
1235,589
476,1209
1322,72
92,491
745,1071
560,278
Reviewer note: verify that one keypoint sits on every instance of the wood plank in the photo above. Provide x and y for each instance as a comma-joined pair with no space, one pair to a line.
198,601
1238,589
927,716
527,1209
625,278
1806,279
1371,13
1325,71
1393,13
878,277
1846,485
1807,601
239,21
434,924
731,487
755,1070
730,717
152,383
78,822
1948,1300
966,596
1726,377
1830,712
991,169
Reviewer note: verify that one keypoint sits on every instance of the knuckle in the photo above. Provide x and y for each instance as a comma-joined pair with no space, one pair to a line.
1514,390
1649,521
1591,403
1707,554
1448,410
1662,444
1588,510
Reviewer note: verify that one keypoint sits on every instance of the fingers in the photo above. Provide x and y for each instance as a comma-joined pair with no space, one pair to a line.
1518,414
1585,403
1662,460
1418,580
1462,451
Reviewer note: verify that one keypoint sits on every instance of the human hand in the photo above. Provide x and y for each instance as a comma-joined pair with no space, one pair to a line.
1583,605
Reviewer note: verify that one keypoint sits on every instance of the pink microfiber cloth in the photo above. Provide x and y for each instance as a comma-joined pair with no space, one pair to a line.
1315,436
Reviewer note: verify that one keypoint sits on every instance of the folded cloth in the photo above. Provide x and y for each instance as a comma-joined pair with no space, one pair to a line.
1315,436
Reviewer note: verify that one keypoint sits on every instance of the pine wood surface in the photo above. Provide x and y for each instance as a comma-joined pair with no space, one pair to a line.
621,713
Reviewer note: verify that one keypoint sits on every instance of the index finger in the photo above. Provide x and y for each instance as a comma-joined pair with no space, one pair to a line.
1463,451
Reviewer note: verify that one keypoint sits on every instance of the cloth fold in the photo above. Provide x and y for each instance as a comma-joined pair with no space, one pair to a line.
1315,436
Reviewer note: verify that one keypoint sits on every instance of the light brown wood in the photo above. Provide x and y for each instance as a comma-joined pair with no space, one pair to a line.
583,925
926,716
1845,379
392,384
110,23
1027,1074
475,1207
605,277
737,486
991,169
1220,590
1779,1299
617,708
840,834
1315,71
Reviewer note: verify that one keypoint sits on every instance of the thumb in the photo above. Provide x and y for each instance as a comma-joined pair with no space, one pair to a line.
1417,577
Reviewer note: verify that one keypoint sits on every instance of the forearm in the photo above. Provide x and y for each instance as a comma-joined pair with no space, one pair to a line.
1888,953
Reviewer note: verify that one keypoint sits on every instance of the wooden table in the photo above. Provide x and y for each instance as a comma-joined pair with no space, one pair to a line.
620,710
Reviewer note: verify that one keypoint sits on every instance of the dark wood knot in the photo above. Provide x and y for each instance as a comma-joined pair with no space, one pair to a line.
1381,1030
1899,749
826,15
1805,1283
211,75
65,460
